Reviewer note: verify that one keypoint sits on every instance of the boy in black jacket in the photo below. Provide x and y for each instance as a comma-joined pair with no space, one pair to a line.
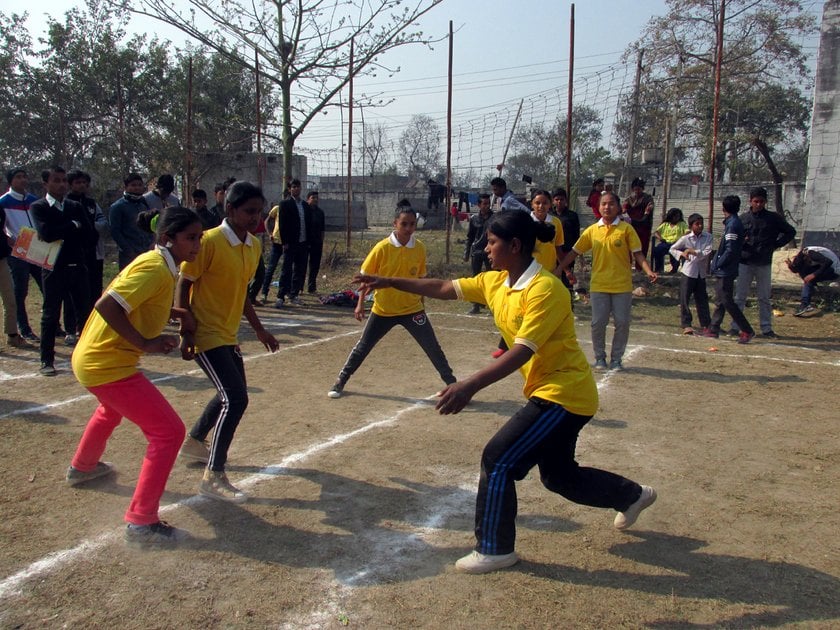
58,218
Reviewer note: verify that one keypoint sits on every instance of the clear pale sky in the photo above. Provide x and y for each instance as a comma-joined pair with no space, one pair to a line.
504,50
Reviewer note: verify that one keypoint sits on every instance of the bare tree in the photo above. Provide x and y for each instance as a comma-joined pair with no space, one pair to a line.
303,46
373,147
420,147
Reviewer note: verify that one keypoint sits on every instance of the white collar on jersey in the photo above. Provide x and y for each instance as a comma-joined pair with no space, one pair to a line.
170,262
526,277
396,243
232,238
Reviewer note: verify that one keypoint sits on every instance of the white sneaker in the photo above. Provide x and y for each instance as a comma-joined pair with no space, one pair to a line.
193,450
475,562
336,390
625,519
215,484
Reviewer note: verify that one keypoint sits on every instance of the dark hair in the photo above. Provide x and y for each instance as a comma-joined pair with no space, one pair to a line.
539,191
674,215
132,177
198,193
45,174
510,224
559,192
10,175
165,182
731,204
483,196
758,191
613,195
693,218
404,207
799,261
600,180
638,181
241,192
75,174
498,181
294,182
312,193
169,221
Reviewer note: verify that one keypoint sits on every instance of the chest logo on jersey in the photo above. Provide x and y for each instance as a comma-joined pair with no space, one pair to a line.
617,242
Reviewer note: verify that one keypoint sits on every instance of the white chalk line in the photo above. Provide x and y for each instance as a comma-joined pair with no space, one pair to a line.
50,563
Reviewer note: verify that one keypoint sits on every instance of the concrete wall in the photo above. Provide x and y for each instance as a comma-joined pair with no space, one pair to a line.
821,219
217,167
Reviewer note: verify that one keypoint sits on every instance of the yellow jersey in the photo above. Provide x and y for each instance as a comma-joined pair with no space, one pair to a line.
536,313
220,275
145,290
546,253
391,259
612,248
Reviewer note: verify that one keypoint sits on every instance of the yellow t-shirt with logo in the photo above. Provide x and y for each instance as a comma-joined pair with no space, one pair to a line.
546,253
145,290
390,259
220,275
536,312
612,250
274,215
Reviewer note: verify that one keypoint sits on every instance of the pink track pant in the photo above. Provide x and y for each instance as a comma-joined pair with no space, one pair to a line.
138,400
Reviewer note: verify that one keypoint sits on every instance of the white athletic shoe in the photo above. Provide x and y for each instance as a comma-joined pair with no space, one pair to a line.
475,562
625,519
336,390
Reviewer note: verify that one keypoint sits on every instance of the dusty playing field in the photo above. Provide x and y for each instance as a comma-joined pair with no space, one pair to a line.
361,505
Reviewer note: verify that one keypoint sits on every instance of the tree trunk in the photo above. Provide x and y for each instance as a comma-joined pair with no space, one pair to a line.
759,144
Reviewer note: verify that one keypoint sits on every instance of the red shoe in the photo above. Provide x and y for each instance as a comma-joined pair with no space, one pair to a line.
706,332
497,353
745,337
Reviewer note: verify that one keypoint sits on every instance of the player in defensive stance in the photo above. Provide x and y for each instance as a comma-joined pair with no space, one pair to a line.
532,310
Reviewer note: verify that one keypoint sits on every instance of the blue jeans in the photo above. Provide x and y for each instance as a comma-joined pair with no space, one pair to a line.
21,272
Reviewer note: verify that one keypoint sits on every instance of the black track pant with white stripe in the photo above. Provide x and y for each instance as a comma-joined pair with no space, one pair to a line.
540,434
226,370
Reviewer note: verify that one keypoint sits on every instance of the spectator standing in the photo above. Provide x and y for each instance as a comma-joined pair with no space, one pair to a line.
161,197
131,240
209,219
16,203
316,240
503,199
7,291
725,268
295,233
272,226
476,242
764,232
79,183
59,218
638,206
694,249
593,200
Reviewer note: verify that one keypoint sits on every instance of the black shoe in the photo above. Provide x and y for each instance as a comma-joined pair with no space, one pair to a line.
47,369
769,335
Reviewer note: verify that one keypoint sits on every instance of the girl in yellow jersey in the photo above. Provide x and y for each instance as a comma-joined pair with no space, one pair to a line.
399,255
126,323
214,288
614,243
533,313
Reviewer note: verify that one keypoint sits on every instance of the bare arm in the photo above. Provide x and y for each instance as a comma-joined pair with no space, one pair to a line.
642,263
266,338
453,398
116,317
427,287
182,302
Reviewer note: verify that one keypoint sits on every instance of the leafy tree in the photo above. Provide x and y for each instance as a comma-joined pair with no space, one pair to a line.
763,61
303,45
419,147
539,151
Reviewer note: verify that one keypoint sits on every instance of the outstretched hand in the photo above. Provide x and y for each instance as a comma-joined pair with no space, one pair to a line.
368,282
453,398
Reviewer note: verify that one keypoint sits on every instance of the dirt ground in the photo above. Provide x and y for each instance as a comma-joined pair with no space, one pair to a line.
361,505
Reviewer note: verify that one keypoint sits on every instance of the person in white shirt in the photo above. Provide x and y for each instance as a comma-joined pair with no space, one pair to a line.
694,248
503,199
